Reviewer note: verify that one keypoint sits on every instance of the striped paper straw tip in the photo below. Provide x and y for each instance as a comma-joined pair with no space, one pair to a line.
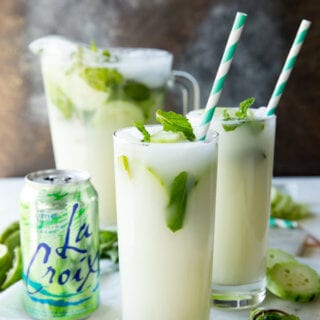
222,72
288,66
305,24
282,223
239,21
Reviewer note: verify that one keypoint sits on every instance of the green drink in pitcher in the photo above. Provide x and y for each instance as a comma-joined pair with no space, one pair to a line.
90,93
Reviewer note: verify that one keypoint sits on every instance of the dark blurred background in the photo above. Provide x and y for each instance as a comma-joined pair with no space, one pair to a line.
196,32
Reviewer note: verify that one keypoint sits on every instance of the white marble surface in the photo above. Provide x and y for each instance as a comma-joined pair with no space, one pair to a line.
303,189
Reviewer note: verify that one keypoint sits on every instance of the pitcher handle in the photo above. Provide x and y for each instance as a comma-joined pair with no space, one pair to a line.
190,90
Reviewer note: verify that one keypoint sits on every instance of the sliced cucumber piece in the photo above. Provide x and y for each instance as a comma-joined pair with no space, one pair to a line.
14,226
125,163
284,207
275,256
119,113
5,262
293,281
168,137
13,240
4,256
15,273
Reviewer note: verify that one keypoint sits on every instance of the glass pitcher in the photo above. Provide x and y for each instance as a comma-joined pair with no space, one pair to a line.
91,92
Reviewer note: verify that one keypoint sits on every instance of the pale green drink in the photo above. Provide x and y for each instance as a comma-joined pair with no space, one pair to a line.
92,92
244,175
165,224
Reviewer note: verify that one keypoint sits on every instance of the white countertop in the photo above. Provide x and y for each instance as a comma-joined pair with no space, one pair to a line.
304,189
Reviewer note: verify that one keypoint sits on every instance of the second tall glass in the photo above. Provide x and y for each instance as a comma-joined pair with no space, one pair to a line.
245,166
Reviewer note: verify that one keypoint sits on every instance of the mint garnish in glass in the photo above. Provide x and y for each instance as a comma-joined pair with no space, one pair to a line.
146,135
176,128
242,116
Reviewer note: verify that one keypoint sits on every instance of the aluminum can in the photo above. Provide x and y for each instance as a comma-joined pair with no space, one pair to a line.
60,244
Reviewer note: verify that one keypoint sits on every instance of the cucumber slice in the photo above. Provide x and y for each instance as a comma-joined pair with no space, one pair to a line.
15,273
14,226
117,113
168,137
5,262
275,256
4,256
284,207
293,281
12,241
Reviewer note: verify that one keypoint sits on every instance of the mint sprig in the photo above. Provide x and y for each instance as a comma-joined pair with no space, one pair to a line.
101,79
170,121
136,91
241,114
175,122
243,108
146,135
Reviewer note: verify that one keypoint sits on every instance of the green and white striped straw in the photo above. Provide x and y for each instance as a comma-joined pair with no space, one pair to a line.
282,223
223,69
288,66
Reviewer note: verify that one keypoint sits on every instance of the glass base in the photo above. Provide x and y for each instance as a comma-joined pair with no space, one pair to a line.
238,297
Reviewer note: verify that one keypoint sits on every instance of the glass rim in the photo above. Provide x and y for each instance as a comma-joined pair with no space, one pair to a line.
198,113
214,138
49,45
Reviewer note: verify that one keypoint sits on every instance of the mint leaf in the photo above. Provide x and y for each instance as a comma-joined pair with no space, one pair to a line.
176,208
226,115
175,122
136,90
60,100
146,135
242,114
243,107
101,78
231,126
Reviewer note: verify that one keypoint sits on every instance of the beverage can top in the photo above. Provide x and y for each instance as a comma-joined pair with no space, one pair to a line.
54,177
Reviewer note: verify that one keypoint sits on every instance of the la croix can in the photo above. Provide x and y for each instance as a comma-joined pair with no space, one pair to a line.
60,244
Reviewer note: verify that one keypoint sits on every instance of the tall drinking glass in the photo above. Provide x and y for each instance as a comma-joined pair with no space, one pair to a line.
165,225
91,92
245,165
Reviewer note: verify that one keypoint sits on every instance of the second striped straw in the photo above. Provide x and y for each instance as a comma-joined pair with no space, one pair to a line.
223,69
288,66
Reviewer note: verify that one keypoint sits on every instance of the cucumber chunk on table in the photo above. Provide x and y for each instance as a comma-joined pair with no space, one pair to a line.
14,226
275,256
15,273
293,281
